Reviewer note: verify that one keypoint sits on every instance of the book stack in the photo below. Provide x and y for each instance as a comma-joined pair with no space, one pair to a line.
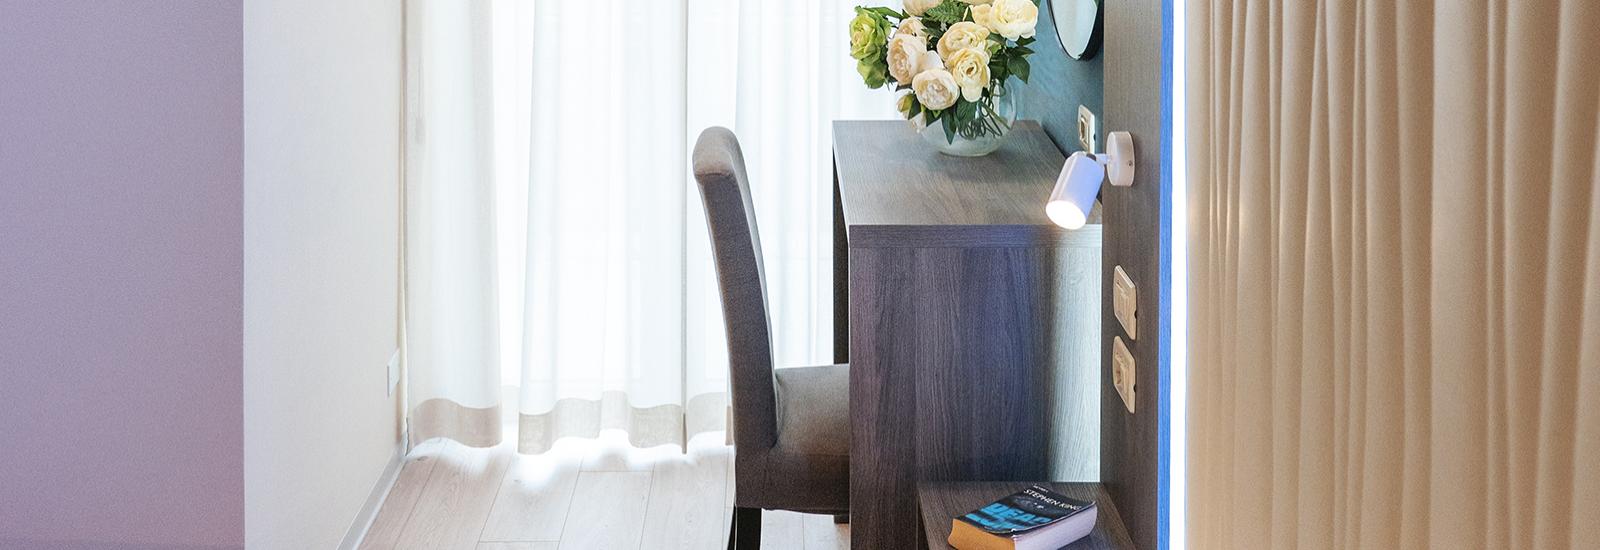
1035,518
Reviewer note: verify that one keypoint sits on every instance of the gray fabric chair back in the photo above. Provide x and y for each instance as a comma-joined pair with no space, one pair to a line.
725,190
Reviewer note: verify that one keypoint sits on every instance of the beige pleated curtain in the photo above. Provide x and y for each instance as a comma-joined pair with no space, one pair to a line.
1395,274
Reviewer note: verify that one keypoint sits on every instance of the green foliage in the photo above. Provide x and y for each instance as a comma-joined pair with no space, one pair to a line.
874,72
881,11
977,119
1018,67
948,12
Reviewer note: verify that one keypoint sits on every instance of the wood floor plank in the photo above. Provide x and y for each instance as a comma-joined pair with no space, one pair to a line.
823,534
517,546
455,505
611,452
451,496
535,495
608,510
391,520
686,501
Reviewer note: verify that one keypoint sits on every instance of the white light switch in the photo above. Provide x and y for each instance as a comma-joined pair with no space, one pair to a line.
1125,302
1123,373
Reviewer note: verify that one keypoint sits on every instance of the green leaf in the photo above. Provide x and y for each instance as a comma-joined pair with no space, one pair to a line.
874,74
886,12
997,68
1019,67
949,130
966,110
905,104
947,12
1021,51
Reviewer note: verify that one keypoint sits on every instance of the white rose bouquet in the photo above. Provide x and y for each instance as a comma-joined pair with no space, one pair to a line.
954,57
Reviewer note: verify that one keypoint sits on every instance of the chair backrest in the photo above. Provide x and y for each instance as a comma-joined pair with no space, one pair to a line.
725,190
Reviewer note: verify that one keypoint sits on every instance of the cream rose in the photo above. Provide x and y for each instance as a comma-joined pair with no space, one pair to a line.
935,89
976,2
905,54
929,61
918,7
1012,19
970,69
912,26
959,36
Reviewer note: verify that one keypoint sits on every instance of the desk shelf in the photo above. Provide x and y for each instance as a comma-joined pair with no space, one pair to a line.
941,502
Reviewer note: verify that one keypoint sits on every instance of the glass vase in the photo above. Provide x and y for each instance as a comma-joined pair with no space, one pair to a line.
1004,104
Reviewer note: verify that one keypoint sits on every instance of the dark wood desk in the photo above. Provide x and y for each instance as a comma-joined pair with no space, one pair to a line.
970,322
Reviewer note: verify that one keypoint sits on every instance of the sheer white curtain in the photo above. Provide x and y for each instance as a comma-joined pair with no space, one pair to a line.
555,243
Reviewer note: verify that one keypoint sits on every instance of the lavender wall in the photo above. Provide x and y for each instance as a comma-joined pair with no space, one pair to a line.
120,273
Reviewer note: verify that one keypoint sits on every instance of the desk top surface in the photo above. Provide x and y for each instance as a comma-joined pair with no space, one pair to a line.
896,190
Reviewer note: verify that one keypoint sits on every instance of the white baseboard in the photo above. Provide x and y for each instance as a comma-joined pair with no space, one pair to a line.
380,492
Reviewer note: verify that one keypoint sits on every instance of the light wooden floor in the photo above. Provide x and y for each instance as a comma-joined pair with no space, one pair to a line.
583,495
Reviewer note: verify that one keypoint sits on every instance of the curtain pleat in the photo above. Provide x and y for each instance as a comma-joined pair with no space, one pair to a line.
1394,275
452,338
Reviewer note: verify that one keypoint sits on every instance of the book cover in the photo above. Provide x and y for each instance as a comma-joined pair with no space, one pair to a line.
1024,511
1034,518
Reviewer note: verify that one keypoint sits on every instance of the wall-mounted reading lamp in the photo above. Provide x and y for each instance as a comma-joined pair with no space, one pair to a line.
1079,183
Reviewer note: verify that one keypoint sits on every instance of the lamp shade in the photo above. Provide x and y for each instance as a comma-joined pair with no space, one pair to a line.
1075,191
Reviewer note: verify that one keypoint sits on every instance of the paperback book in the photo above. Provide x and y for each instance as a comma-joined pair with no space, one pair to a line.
1035,518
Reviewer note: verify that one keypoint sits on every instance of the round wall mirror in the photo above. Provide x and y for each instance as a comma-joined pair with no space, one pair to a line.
1078,26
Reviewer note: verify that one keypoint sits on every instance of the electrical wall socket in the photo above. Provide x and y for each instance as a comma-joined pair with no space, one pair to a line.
1125,302
394,371
1123,373
1086,129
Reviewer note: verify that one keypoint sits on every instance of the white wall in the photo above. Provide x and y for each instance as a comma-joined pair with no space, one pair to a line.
322,94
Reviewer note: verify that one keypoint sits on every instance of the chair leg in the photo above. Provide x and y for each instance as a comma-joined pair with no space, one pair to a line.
841,519
745,533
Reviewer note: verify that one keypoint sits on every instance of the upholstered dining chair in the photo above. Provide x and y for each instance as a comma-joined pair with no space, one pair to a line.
791,427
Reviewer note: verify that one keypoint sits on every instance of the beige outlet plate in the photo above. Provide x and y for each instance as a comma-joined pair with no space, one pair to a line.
1124,373
1086,129
1125,302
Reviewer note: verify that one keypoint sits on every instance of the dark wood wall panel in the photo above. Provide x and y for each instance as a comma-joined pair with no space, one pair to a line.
1134,218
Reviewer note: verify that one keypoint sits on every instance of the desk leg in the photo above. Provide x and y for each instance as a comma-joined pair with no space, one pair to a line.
883,407
841,279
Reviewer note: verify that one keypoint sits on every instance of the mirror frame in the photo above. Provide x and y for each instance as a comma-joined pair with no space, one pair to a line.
1092,48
